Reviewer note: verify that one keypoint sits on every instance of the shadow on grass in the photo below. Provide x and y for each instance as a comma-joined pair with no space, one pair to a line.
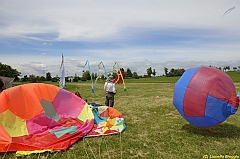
222,130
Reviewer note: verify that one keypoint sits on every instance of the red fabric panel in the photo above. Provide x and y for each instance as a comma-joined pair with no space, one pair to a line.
119,78
223,88
197,92
207,82
44,141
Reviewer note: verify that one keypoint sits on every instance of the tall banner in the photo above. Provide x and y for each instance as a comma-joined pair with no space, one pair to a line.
62,76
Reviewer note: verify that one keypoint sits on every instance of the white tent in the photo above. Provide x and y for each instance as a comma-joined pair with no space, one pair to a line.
5,82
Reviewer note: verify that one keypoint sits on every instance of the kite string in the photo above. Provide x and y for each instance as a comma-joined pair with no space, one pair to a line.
47,155
106,147
7,150
55,154
121,144
99,149
85,147
91,149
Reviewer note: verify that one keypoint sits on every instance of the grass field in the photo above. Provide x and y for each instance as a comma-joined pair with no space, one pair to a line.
155,129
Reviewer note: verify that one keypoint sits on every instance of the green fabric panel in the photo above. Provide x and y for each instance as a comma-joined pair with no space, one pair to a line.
49,110
69,130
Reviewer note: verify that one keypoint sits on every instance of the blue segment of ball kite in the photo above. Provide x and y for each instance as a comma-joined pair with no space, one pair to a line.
179,92
213,115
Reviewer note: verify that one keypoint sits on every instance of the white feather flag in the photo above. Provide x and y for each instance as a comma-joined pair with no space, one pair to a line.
62,72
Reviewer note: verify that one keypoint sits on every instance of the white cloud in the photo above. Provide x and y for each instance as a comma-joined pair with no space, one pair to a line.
95,20
138,34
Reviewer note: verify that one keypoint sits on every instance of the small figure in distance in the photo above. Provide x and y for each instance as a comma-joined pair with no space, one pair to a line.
109,87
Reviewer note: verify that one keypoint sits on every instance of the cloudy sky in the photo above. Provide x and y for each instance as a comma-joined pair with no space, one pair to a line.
137,34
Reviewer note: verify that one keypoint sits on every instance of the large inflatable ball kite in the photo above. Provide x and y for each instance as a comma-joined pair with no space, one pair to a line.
205,96
37,117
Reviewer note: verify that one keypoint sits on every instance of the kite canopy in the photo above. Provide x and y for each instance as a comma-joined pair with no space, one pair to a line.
205,96
45,117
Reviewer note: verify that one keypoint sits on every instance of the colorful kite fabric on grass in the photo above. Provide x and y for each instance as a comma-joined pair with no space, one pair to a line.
107,120
38,117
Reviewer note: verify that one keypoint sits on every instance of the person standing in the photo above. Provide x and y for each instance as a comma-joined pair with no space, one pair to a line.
110,89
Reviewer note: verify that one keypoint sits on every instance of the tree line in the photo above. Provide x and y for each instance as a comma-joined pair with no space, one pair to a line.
8,71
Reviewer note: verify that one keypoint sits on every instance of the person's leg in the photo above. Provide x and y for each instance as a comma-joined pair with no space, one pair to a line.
111,100
107,101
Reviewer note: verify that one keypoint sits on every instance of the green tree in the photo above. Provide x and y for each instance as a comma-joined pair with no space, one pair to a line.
135,75
154,73
94,75
75,78
42,78
175,72
25,78
32,79
55,79
149,71
8,71
114,74
86,76
226,68
128,73
166,71
48,76
103,77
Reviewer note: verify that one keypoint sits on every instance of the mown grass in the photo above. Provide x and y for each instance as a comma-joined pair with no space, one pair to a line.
155,129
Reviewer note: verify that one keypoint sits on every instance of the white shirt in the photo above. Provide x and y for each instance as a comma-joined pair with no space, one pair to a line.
109,87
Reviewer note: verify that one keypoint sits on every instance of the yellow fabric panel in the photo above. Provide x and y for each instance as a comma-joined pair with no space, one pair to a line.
86,114
105,129
102,124
112,121
23,153
14,125
116,127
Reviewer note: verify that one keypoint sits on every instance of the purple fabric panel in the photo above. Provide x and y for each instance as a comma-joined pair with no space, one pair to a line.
86,127
68,104
41,123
